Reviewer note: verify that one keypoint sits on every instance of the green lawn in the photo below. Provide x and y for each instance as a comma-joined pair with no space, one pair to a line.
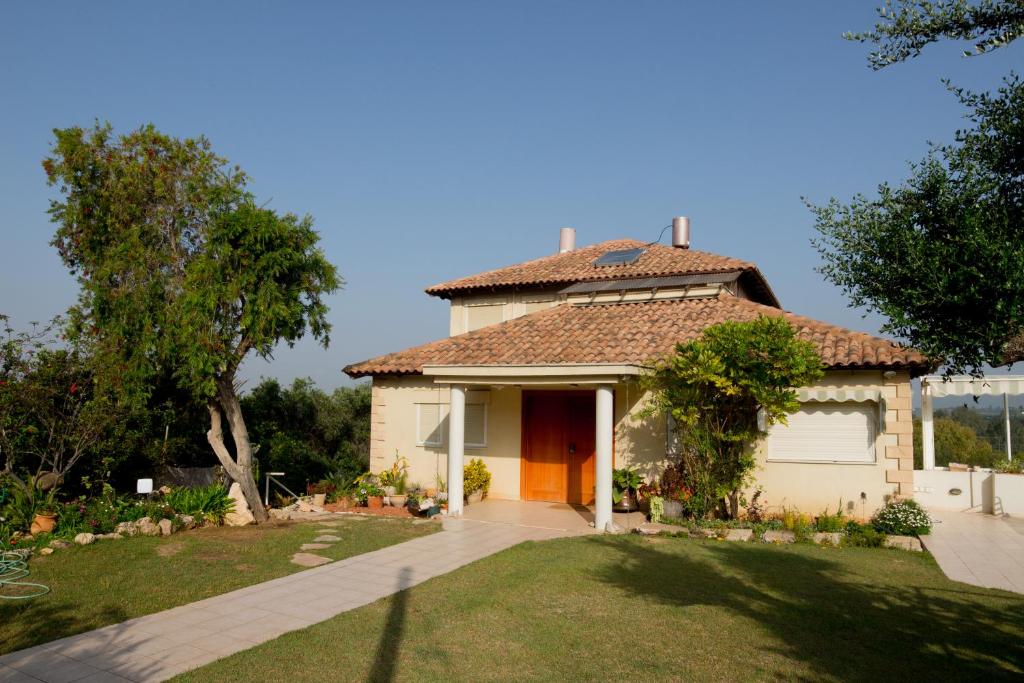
638,609
111,581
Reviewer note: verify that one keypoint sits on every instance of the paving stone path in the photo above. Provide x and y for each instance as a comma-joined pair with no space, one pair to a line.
159,646
979,549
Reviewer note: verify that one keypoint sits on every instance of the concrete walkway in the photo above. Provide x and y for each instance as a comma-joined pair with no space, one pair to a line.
979,549
159,646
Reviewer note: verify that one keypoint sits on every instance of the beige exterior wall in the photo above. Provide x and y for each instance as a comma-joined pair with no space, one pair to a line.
809,487
812,487
469,313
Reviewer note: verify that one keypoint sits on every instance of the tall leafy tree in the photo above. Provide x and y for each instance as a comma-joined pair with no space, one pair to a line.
941,255
905,27
714,387
182,272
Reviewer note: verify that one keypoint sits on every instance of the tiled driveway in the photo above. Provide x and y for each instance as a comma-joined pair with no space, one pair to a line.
159,646
980,549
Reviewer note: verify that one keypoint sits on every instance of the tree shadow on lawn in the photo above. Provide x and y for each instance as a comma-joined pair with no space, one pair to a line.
385,660
43,619
842,625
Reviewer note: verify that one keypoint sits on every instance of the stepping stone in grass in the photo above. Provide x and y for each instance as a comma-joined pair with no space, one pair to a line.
326,538
329,524
314,546
309,560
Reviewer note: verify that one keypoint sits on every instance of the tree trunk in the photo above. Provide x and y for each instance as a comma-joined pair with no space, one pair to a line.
238,468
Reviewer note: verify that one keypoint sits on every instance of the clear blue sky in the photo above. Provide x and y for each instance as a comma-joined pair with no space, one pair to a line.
432,140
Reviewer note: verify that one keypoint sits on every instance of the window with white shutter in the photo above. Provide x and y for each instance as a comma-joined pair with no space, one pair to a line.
826,432
476,425
429,424
432,425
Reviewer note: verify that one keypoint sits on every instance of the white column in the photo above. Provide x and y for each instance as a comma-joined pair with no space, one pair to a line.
1006,417
603,474
927,432
456,438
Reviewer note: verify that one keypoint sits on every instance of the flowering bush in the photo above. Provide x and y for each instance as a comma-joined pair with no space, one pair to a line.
902,518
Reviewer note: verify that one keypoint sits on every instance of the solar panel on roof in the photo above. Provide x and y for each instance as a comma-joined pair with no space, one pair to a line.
622,257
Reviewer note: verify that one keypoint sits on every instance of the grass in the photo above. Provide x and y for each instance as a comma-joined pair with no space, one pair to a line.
631,608
111,581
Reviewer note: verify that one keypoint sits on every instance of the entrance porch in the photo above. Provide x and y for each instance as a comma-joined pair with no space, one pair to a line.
572,519
566,437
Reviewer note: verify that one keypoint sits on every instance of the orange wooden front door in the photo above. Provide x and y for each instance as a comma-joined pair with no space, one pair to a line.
558,446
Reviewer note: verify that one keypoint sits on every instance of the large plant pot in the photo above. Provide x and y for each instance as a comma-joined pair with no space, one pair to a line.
389,491
319,499
44,523
399,500
627,503
375,502
475,497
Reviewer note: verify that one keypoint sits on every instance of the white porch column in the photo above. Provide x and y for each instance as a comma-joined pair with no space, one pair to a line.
603,474
927,431
1006,417
456,438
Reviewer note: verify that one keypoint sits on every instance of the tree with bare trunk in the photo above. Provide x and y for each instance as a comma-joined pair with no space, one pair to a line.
181,272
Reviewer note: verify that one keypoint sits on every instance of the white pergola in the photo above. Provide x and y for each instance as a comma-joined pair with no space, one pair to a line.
937,386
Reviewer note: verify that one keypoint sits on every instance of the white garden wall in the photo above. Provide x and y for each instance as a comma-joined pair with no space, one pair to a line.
940,489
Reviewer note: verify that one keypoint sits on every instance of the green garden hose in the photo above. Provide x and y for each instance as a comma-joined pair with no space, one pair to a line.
14,566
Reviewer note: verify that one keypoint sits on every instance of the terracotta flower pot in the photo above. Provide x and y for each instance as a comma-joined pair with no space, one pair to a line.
475,497
375,502
44,523
319,499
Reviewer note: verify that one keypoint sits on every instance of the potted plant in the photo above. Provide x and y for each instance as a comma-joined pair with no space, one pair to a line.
374,497
476,480
625,482
399,498
393,481
45,519
368,491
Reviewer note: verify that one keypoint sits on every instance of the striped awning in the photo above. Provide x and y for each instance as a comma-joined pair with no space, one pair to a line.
838,394
965,385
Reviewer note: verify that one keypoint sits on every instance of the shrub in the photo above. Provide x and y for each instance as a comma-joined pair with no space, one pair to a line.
210,503
831,523
862,536
797,522
657,508
902,518
475,476
1015,466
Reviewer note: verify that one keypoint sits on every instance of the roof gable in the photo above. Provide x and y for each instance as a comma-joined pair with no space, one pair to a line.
579,266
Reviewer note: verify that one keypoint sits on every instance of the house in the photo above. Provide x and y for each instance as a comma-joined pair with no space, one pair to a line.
538,378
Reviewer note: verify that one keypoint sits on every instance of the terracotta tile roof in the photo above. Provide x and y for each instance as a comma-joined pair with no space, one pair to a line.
578,266
633,333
